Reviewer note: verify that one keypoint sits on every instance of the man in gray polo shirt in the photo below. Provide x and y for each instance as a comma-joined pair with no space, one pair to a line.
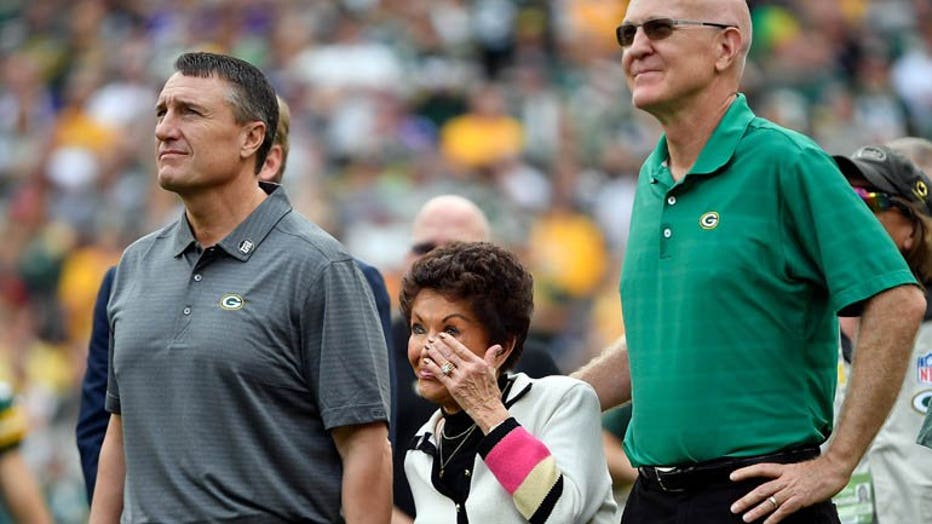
248,370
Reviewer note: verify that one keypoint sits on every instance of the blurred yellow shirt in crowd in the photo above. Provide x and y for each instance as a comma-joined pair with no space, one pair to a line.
567,253
476,141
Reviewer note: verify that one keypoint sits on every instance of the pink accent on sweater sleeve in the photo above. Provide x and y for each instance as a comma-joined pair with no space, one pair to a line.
513,458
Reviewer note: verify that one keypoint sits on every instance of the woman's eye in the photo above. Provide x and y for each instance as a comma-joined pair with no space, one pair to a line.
452,331
417,329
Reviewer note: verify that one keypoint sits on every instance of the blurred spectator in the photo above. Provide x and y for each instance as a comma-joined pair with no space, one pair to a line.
20,495
912,73
485,135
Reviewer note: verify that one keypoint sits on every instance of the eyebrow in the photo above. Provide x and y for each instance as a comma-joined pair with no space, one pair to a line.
180,102
444,319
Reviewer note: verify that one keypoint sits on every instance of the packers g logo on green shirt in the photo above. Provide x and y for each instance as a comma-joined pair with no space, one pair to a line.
232,302
709,220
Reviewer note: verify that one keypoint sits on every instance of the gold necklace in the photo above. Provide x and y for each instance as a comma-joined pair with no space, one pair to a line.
467,433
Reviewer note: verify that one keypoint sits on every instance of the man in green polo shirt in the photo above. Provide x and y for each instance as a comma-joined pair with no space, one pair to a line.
745,244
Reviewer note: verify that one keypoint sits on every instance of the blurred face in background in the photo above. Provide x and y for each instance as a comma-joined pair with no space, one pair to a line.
444,220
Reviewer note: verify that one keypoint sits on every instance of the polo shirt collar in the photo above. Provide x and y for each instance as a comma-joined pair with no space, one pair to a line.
242,242
720,147
182,237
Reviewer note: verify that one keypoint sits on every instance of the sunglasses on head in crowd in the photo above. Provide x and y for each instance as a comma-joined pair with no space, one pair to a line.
423,248
878,201
658,29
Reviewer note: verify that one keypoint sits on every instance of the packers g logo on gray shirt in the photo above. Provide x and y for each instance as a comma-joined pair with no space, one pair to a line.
232,302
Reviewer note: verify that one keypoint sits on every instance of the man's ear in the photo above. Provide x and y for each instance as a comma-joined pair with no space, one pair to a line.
730,43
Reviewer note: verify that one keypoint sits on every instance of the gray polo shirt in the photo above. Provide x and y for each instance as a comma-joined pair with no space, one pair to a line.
230,365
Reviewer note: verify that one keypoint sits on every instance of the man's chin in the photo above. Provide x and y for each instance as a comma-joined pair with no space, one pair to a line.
643,100
170,183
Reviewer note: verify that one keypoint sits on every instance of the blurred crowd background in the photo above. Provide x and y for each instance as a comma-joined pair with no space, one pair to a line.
520,105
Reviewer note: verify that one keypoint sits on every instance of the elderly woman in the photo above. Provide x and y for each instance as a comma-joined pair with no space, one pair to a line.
501,448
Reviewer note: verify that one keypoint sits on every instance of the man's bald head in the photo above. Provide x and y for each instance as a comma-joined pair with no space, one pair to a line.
448,218
737,12
729,12
732,12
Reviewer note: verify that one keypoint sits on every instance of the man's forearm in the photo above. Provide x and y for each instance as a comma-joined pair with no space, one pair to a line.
885,339
609,374
108,493
367,472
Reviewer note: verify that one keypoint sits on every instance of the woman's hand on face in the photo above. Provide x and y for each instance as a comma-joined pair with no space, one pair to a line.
471,381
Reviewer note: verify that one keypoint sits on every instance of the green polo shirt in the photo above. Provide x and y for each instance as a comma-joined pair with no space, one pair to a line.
732,282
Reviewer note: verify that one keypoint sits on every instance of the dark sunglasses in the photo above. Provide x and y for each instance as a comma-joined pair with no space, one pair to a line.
878,202
657,29
423,248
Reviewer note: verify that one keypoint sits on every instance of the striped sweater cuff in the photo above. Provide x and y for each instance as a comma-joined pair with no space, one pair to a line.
525,468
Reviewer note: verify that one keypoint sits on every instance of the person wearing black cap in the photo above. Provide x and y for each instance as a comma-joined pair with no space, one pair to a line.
898,192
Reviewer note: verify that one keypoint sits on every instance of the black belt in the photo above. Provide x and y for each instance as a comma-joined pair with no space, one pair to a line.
701,475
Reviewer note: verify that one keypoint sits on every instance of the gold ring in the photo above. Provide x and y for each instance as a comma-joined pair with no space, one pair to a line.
447,368
773,501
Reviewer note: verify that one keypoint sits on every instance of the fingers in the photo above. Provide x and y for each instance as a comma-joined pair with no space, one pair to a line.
442,370
444,355
452,349
445,348
770,507
437,362
763,469
765,499
791,487
440,351
491,355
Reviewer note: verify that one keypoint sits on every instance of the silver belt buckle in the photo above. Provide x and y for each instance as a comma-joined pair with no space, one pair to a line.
658,473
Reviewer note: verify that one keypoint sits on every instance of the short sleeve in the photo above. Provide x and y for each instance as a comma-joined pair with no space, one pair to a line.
839,241
345,353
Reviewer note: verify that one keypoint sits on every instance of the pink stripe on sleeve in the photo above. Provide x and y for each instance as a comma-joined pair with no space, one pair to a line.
513,458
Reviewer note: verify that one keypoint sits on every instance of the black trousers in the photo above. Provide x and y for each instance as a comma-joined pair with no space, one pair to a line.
706,498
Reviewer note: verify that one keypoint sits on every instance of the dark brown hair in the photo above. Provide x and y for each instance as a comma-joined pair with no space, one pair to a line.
490,279
252,96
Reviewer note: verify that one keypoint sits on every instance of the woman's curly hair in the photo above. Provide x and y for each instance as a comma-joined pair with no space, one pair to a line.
490,279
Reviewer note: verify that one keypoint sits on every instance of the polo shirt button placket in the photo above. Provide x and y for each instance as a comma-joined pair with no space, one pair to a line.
671,200
667,232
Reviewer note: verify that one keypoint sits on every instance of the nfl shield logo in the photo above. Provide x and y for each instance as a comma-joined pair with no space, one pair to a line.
924,368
